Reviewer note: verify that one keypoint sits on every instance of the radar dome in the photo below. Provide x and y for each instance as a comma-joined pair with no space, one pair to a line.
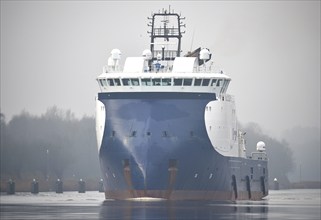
147,54
260,146
115,54
204,54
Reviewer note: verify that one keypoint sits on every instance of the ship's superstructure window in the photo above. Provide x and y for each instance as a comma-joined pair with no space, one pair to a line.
178,82
205,82
187,82
126,82
117,82
146,82
142,81
197,82
110,82
130,82
225,84
213,82
134,82
156,82
167,82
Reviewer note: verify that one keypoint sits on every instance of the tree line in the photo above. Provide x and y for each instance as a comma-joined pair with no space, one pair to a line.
279,153
55,144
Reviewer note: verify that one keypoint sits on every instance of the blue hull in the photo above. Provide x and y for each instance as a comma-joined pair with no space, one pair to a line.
156,145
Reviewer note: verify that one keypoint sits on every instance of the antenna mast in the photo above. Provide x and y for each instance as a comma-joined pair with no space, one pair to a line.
165,34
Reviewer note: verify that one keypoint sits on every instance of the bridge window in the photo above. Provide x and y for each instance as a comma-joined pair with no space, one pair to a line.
101,82
156,82
166,82
110,82
126,82
187,82
178,82
213,82
130,82
146,82
218,82
205,82
117,82
135,82
197,82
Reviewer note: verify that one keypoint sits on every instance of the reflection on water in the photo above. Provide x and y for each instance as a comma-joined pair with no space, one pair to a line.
283,204
182,210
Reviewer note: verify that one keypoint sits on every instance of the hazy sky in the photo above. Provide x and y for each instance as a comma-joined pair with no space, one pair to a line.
52,51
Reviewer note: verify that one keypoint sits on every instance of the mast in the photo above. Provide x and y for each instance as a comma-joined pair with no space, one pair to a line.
166,34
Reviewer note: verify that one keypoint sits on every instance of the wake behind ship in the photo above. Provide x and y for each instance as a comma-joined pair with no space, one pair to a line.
166,128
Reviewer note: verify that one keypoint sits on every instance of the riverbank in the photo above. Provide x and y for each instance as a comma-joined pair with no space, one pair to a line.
91,184
306,185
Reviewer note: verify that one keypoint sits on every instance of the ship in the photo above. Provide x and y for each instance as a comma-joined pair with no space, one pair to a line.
167,128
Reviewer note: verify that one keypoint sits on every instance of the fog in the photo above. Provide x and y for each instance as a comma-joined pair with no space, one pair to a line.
53,145
58,145
295,158
305,144
52,51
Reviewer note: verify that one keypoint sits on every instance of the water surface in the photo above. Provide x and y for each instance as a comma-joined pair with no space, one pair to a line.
282,204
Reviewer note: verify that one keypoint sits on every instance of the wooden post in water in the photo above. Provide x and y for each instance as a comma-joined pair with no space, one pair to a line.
59,186
276,184
11,187
81,186
34,186
101,186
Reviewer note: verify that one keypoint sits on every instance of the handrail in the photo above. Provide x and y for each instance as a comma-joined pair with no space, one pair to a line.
166,31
